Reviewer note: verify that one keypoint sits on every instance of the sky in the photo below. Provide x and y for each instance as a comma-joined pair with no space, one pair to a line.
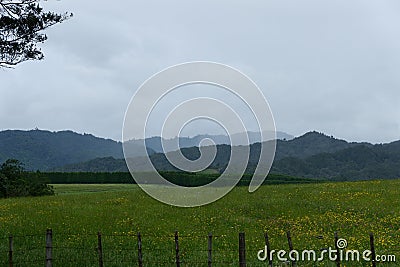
329,66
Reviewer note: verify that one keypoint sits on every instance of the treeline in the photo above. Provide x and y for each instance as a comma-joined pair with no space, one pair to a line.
179,178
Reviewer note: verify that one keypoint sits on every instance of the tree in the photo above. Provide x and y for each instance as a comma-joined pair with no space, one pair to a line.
11,181
12,168
21,25
3,185
14,181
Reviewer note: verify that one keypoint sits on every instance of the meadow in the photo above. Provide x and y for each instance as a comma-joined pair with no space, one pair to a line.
312,212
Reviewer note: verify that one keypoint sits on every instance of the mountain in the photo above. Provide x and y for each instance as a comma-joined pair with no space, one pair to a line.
45,150
309,144
155,143
361,162
313,155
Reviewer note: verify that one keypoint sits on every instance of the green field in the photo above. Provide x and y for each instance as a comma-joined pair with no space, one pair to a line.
312,212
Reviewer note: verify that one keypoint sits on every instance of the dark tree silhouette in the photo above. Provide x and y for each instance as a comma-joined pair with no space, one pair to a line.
16,182
21,25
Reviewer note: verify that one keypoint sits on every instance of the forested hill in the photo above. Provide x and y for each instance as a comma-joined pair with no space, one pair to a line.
45,150
359,162
161,145
313,155
311,143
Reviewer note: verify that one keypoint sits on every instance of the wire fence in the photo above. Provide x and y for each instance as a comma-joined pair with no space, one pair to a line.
131,249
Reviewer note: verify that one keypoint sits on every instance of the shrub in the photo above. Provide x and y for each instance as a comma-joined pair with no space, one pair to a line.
15,182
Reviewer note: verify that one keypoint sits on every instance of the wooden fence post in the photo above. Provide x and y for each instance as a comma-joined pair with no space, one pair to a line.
242,250
289,238
10,250
268,249
100,249
210,250
371,242
49,248
177,260
140,255
337,249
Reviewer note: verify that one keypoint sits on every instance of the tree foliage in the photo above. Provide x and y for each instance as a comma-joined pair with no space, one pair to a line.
14,181
21,25
45,150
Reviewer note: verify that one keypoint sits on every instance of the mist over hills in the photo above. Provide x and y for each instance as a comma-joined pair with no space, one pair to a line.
46,150
312,155
155,143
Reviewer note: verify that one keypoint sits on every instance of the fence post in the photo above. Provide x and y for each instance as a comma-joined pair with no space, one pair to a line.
268,249
242,250
178,262
140,255
100,249
337,250
49,248
210,250
371,242
10,251
289,238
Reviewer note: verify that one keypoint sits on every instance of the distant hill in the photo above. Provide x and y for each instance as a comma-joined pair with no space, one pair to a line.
361,162
313,155
185,142
311,143
45,150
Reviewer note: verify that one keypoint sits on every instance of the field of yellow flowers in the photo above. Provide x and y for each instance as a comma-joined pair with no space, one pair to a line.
312,213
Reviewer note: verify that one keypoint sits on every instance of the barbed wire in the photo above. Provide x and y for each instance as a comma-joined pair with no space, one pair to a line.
121,249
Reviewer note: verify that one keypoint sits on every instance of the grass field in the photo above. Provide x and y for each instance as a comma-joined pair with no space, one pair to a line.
309,211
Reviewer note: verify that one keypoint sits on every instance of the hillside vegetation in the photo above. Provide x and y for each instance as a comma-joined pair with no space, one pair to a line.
43,150
313,155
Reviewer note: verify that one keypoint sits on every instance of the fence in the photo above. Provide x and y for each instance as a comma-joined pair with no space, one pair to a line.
133,250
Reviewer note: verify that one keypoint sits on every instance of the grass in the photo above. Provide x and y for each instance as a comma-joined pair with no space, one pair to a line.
309,211
66,189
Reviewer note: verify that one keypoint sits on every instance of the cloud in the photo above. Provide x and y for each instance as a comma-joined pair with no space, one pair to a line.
324,65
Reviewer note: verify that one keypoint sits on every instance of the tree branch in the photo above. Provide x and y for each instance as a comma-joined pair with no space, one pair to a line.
20,32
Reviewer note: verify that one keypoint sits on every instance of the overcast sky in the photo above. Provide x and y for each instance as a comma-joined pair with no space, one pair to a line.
330,66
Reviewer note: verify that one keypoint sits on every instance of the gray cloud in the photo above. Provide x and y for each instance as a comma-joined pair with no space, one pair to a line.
326,65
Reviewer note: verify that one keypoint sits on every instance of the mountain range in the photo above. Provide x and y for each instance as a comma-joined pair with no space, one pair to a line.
46,150
312,155
162,145
43,150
